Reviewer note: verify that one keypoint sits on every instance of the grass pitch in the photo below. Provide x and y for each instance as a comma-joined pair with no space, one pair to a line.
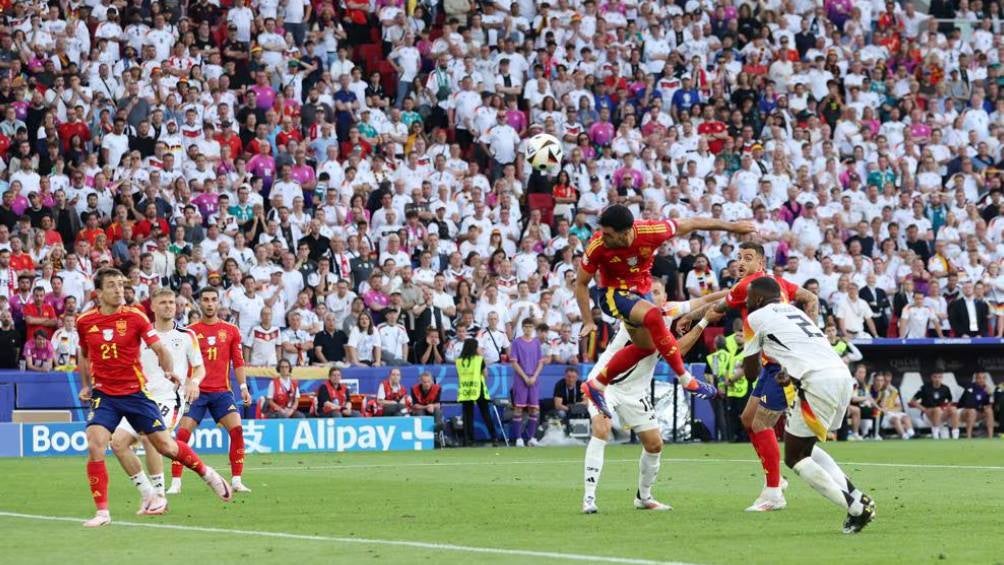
937,502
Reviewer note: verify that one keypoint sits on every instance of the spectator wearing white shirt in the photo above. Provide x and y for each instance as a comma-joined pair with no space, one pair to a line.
363,348
917,317
854,315
262,350
296,342
246,306
393,340
502,141
492,341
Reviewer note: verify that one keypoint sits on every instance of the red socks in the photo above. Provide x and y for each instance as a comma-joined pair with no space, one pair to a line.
621,362
97,476
236,451
664,340
189,459
765,444
182,436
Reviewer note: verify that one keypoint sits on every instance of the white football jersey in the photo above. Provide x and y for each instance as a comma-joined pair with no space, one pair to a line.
786,336
638,380
185,356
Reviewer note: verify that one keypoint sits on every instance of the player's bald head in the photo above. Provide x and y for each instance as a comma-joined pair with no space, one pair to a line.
761,292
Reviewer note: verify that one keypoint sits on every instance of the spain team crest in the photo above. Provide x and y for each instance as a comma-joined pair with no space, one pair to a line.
121,326
222,336
107,334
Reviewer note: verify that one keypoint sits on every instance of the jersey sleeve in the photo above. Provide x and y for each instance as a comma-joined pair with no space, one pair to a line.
736,298
82,338
192,350
754,342
674,310
236,351
146,329
789,288
655,233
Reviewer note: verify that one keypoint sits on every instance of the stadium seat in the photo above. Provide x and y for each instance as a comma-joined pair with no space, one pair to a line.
908,387
370,56
709,335
953,385
388,77
543,202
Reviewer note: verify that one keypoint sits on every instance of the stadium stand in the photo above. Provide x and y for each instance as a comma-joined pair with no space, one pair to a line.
360,158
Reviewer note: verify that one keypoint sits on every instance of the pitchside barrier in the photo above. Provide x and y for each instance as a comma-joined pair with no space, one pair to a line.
28,394
260,436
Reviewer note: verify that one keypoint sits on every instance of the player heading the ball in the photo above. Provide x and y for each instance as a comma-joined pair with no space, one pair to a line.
621,252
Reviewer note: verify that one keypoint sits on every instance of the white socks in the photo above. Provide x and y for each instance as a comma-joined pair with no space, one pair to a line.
594,465
142,484
158,483
820,480
824,460
935,432
648,470
235,480
955,433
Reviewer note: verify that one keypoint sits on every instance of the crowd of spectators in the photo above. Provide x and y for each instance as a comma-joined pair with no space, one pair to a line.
350,173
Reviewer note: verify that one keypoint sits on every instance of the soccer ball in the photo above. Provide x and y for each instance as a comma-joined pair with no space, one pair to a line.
544,152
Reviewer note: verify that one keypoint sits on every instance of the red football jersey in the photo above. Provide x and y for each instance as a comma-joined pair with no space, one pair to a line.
736,298
220,344
111,343
629,268
713,126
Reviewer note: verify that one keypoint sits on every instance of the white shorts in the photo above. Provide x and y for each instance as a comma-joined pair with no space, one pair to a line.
820,406
172,408
633,409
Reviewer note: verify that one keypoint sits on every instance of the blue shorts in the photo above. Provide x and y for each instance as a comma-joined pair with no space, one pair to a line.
138,409
219,404
771,394
618,303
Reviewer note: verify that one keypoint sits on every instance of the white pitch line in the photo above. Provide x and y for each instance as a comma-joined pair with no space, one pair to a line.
349,467
362,541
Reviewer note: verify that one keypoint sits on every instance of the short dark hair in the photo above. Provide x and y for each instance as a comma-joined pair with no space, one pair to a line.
617,218
766,288
103,274
756,247
208,290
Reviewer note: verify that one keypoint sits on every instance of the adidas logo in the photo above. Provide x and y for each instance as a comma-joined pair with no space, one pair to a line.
94,329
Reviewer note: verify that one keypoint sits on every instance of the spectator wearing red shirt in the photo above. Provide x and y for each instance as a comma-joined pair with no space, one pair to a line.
114,230
354,142
19,260
91,230
52,237
287,133
144,227
228,137
38,315
73,126
716,133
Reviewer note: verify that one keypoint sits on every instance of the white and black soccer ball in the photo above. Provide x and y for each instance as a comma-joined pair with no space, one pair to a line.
544,152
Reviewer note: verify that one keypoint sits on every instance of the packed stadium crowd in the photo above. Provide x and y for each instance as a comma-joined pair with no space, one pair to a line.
350,174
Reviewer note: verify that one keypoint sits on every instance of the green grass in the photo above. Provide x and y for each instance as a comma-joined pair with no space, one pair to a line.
524,499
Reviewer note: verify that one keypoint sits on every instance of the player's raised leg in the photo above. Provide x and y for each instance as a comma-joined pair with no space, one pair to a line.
181,452
122,446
